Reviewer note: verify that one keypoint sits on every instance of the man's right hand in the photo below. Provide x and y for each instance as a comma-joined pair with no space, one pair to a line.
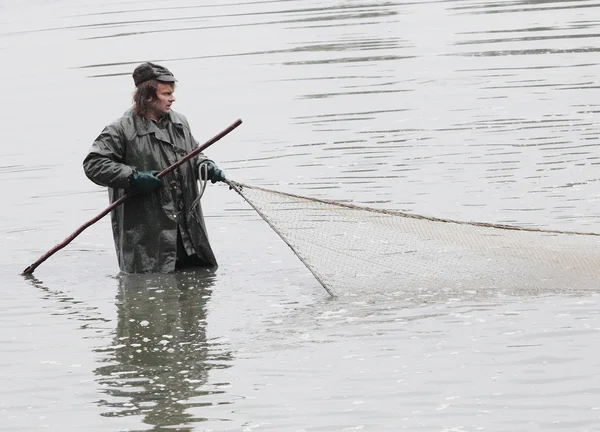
144,181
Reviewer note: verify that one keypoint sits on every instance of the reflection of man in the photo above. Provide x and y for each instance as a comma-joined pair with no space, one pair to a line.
164,229
159,357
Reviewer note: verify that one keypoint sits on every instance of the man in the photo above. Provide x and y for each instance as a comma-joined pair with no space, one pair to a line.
163,228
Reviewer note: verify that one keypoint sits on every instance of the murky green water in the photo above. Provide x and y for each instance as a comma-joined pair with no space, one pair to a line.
471,110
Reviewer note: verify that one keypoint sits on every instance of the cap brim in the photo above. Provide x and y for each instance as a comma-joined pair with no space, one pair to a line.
166,78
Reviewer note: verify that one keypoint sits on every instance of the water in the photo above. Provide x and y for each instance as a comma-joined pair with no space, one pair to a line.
471,110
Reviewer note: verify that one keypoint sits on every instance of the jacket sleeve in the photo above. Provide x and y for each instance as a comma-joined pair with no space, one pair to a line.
104,163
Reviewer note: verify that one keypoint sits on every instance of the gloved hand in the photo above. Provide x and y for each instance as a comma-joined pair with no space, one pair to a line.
214,173
144,181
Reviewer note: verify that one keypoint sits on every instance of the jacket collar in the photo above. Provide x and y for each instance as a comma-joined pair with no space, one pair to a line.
143,126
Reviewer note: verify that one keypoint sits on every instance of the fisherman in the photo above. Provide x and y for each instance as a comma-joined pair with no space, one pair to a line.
163,229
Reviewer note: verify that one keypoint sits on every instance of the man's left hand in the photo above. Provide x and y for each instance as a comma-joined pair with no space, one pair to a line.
214,174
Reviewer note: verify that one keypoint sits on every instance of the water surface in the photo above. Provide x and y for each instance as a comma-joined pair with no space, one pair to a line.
469,110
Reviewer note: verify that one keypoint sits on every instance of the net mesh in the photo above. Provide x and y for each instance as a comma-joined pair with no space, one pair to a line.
348,247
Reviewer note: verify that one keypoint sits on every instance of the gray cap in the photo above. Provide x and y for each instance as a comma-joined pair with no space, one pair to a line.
150,71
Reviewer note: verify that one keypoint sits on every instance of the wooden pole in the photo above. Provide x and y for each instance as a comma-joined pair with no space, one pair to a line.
29,270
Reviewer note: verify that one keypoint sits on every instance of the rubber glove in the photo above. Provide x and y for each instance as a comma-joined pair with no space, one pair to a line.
214,173
144,181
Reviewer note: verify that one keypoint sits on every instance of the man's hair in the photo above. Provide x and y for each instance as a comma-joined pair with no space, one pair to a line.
145,94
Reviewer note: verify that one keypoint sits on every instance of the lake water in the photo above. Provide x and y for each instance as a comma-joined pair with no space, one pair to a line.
469,110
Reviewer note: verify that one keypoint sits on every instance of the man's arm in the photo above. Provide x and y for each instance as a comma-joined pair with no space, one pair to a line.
104,163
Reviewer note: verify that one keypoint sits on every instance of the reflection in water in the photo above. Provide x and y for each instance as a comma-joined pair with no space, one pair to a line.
73,309
160,358
471,110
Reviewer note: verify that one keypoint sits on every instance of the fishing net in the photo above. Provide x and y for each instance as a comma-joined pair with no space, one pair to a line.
352,248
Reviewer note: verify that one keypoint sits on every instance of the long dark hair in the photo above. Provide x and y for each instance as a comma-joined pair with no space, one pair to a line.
144,95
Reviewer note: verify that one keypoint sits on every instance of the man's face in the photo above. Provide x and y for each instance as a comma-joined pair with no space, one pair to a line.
162,106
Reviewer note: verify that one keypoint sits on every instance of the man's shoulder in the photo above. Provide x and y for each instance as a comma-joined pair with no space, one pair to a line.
124,126
125,119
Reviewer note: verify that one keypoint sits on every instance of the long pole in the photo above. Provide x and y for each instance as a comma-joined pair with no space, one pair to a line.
29,270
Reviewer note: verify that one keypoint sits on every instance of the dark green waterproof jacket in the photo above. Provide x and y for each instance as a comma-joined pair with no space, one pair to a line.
145,226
